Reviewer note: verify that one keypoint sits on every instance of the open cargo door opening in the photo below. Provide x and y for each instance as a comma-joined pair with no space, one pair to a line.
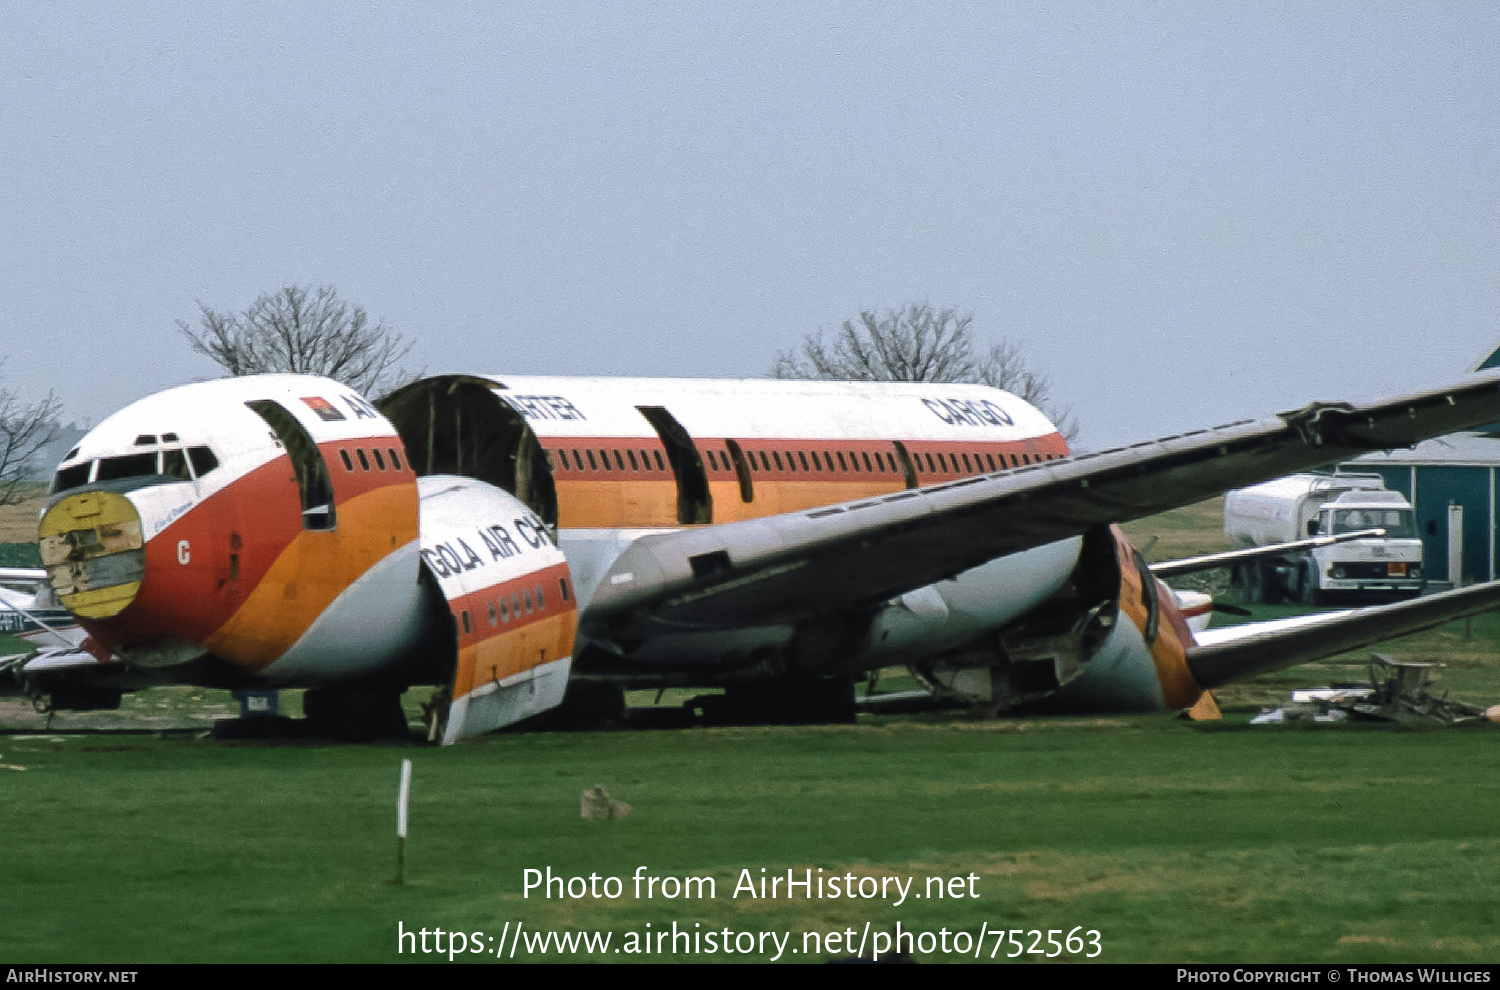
459,425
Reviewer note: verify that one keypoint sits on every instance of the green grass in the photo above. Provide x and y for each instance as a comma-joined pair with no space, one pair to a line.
1186,532
20,555
1176,842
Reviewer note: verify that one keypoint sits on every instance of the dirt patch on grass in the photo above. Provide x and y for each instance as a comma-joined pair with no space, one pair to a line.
18,522
151,711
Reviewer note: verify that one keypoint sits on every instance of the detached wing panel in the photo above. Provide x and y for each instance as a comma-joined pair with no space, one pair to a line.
1209,561
798,565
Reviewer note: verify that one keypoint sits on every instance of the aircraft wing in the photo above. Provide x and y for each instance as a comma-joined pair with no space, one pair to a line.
797,565
1210,561
1227,654
23,575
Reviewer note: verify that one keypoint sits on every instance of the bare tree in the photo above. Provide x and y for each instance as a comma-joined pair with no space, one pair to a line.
24,431
303,331
919,343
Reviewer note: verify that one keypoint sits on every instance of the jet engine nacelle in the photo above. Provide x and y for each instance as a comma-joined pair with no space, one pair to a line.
1110,638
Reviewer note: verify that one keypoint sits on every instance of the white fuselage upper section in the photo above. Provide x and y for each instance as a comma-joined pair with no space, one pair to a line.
771,408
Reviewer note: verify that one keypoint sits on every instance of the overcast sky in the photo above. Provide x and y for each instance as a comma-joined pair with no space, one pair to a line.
1186,214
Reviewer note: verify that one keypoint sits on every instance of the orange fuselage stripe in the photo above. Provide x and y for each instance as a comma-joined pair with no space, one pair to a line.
613,482
513,640
314,569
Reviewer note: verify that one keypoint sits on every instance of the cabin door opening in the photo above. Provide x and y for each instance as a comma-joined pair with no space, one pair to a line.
307,461
903,457
694,503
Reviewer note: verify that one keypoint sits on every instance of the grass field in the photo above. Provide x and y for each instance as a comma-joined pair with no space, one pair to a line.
1186,532
1174,841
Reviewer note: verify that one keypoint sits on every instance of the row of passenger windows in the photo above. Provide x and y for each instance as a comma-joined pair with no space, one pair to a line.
761,460
949,463
808,461
505,609
814,460
638,460
364,460
177,463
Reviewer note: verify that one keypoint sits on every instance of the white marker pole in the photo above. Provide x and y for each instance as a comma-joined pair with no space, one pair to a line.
403,797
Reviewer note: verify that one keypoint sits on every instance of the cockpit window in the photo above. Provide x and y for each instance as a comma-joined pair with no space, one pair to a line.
203,460
176,463
72,477
128,466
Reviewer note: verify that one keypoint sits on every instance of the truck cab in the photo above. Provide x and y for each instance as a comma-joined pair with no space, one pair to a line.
1383,565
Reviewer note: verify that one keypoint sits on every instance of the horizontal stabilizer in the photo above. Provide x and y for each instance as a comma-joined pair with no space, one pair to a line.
1239,651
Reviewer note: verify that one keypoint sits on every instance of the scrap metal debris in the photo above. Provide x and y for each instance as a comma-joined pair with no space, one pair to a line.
1399,691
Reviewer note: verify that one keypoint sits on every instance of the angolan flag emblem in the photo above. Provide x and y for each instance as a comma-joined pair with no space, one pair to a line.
323,408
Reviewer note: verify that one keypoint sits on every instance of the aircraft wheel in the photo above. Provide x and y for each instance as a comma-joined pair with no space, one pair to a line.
1307,587
1247,584
1273,589
1239,584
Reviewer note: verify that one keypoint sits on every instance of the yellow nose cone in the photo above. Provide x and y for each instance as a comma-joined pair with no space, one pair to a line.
91,546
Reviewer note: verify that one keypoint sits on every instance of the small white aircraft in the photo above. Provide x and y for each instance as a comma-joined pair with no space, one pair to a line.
508,539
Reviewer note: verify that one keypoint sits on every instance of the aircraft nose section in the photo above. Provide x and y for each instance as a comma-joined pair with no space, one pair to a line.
92,549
